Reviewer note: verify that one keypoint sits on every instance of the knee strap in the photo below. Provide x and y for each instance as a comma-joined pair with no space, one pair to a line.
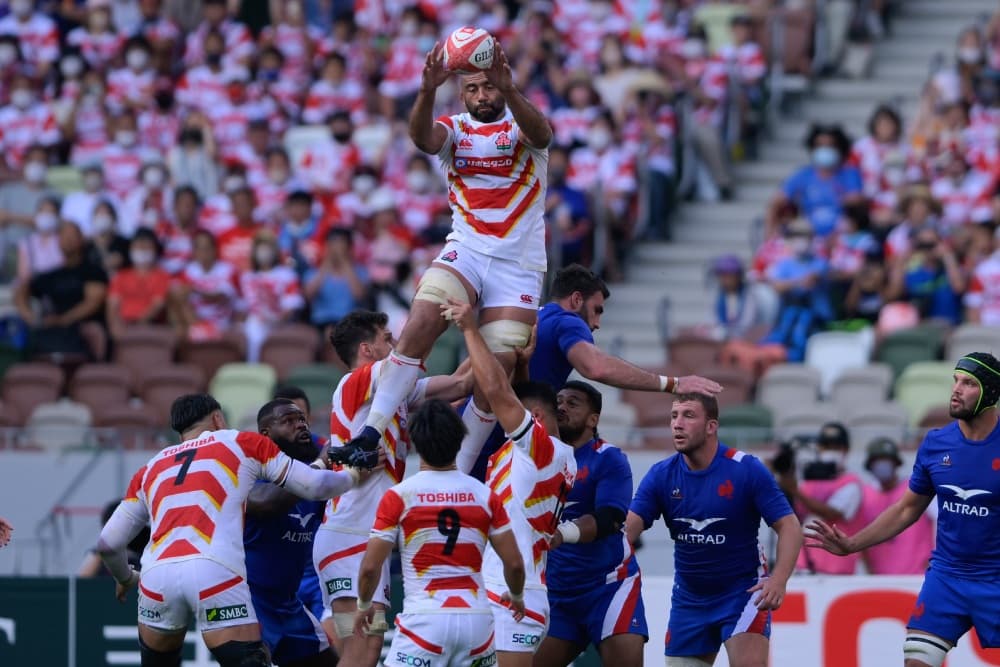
438,285
684,661
378,626
343,623
505,335
242,654
151,658
925,648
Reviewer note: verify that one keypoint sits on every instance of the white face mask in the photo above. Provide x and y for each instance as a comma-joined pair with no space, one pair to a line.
21,8
150,217
125,138
8,54
799,245
71,67
599,138
102,222
265,255
693,49
418,181
34,172
969,55
884,470
832,456
154,178
233,183
363,185
825,157
142,257
136,58
46,222
22,98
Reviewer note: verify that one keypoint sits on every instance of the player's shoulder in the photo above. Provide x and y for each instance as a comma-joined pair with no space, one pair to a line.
607,452
734,459
944,437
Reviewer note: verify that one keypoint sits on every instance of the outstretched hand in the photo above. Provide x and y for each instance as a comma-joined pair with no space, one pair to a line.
695,384
828,537
459,312
434,73
499,73
523,354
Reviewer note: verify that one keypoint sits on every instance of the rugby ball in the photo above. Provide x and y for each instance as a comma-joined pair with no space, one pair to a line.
469,50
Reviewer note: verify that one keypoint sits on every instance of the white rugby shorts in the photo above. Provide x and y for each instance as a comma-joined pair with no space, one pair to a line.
217,597
427,640
337,557
522,636
499,281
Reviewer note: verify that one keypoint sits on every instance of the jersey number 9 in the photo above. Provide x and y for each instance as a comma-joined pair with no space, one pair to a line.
449,525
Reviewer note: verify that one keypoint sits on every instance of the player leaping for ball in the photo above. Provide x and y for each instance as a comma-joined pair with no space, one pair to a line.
532,473
496,159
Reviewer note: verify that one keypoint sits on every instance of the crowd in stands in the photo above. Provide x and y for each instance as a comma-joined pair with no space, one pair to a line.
238,166
893,229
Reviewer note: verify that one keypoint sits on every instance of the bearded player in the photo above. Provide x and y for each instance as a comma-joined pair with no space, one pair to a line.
496,157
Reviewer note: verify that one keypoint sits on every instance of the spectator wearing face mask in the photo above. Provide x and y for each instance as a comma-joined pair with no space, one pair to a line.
982,301
236,244
65,88
883,159
302,235
237,47
402,74
910,551
40,252
821,189
146,206
929,277
178,236
78,206
326,166
37,34
86,124
97,39
161,33
24,122
203,299
21,196
123,158
961,189
230,118
270,293
421,200
160,124
132,86
279,182
110,247
138,294
296,40
216,214
192,160
357,202
203,86
339,285
334,92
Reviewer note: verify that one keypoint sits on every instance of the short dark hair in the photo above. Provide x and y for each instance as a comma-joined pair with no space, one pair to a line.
189,409
436,432
293,393
299,197
358,327
266,413
709,403
540,393
594,397
577,278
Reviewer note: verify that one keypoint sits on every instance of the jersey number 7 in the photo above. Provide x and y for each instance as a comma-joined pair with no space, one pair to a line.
449,525
188,458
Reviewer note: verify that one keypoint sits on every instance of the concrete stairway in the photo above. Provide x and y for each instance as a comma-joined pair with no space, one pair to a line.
702,231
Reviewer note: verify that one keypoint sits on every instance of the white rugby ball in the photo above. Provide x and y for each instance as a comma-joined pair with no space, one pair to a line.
469,50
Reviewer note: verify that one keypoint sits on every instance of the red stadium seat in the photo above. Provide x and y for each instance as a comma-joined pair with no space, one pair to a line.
101,387
28,385
288,346
143,347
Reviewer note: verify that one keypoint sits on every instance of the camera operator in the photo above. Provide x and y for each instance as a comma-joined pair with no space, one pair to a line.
827,491
908,552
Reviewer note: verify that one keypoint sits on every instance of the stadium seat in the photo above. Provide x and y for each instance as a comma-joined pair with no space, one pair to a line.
318,381
28,385
972,338
737,384
651,408
162,384
902,348
130,427
936,417
211,355
142,348
715,18
242,388
803,419
923,385
693,353
101,387
64,179
288,346
744,425
58,425
833,352
887,420
868,385
785,386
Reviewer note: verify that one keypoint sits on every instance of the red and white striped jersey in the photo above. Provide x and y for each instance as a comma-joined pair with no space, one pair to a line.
571,124
220,279
158,131
21,129
496,183
747,60
442,522
295,44
327,166
216,214
325,98
229,126
98,50
38,37
417,211
403,71
160,29
613,170
121,169
959,200
126,86
193,496
532,473
984,291
269,294
239,43
201,88
177,248
354,511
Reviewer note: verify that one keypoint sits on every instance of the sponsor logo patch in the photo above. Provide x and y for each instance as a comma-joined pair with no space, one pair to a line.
337,585
449,256
412,660
503,142
149,614
216,614
485,661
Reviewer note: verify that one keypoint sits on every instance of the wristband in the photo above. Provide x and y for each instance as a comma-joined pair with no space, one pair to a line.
364,605
516,598
669,383
570,532
319,464
132,580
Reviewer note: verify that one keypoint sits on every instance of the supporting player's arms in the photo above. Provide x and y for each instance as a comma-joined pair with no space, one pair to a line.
772,589
312,484
489,374
505,546
603,522
428,135
595,364
120,529
451,387
895,519
376,552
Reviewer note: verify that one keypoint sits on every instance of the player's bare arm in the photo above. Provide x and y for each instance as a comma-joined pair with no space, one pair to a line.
534,126
376,553
427,135
595,364
452,387
5,530
890,523
589,527
505,546
772,589
489,373
634,525
120,529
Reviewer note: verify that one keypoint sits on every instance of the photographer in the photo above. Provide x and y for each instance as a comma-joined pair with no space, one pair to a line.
826,491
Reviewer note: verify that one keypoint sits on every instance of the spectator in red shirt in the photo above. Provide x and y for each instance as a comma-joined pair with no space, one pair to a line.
270,293
235,243
138,294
